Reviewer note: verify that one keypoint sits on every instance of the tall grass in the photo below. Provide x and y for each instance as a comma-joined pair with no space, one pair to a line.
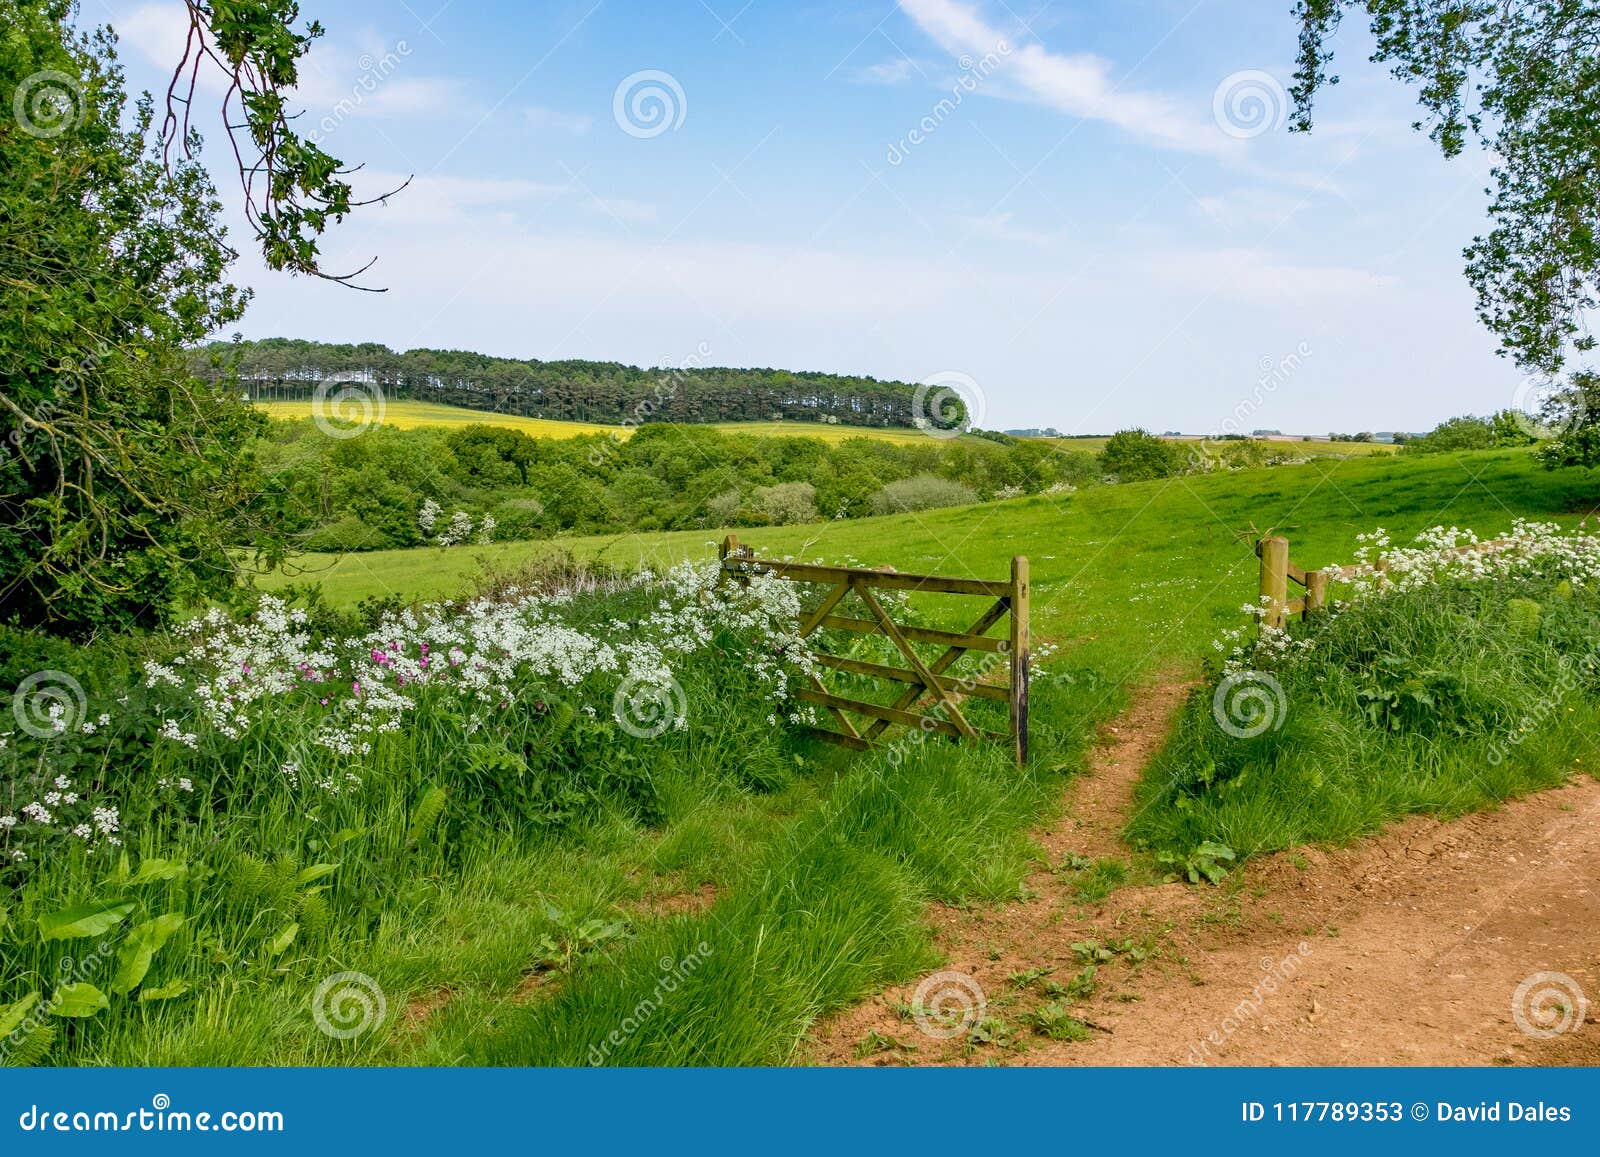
1441,700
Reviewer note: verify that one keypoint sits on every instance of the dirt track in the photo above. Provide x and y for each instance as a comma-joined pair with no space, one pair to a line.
1407,948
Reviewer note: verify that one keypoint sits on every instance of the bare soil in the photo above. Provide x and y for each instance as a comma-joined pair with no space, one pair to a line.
1405,948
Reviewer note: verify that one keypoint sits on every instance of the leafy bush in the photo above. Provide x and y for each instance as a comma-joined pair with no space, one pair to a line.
787,503
1462,679
1138,455
924,492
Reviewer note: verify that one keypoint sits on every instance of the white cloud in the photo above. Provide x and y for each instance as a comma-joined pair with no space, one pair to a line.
623,209
897,70
336,81
549,118
1079,83
1259,275
999,226
439,200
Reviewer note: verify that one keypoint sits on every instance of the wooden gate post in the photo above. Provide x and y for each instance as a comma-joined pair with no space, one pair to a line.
1019,658
1274,580
1316,591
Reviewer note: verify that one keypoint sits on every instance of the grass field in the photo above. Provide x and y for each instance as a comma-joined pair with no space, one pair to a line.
1157,565
407,415
789,877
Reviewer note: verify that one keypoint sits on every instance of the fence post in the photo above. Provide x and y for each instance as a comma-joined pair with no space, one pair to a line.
1274,579
1018,652
1316,591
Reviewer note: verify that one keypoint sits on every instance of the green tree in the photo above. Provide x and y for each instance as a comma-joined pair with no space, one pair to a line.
1523,78
121,480
1137,455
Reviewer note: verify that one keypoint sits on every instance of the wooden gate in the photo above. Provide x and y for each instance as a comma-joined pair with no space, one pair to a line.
923,679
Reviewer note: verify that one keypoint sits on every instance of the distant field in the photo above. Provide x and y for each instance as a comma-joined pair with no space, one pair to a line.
1316,448
407,414
1148,560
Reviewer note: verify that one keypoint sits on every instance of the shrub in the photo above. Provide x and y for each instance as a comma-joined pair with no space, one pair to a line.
787,502
922,492
1138,455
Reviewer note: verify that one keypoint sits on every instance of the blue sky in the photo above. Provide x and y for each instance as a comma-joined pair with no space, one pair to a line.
1111,225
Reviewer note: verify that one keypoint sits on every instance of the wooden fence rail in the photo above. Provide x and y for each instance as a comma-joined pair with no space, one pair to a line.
1278,571
922,678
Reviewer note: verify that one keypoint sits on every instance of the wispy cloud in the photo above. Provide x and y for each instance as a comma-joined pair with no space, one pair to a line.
379,82
549,118
896,70
1080,83
1000,226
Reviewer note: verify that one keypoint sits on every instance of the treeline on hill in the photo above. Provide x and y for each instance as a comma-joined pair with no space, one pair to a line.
573,391
369,492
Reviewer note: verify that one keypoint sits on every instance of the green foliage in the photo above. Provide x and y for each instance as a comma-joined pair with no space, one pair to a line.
577,391
365,493
1438,700
123,481
922,492
1138,455
1524,79
1503,429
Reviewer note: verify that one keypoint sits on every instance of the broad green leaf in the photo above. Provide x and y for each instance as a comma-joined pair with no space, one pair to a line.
143,942
152,871
14,1014
316,872
90,919
279,943
165,992
81,999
